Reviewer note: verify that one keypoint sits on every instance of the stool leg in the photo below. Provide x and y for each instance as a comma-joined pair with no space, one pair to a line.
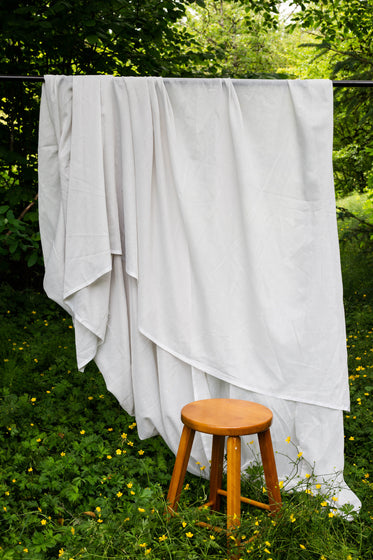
270,471
180,468
233,481
216,473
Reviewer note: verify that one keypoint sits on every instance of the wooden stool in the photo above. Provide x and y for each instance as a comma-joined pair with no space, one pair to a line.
232,418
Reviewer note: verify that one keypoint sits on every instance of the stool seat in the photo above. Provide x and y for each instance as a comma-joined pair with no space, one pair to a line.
231,418
226,417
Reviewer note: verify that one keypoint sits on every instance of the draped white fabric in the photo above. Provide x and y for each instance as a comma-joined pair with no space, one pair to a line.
188,226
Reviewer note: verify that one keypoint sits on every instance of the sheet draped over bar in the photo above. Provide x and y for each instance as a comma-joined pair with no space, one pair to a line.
188,226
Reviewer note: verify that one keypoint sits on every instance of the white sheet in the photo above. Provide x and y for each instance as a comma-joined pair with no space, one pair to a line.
189,228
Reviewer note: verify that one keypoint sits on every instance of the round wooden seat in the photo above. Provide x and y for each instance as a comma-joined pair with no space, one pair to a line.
232,418
226,417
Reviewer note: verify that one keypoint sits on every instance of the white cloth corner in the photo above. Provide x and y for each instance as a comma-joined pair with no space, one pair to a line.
189,228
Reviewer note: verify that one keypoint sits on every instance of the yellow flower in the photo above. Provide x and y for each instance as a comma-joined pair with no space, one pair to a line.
62,454
186,487
119,494
331,514
302,547
100,520
123,436
184,524
141,510
82,432
189,535
308,475
72,531
141,452
118,452
143,545
162,538
108,457
25,550
318,486
60,552
212,537
90,398
130,484
98,508
323,504
292,518
300,454
288,439
43,521
33,399
30,469
147,551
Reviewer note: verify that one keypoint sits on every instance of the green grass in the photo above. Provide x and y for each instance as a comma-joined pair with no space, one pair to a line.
77,483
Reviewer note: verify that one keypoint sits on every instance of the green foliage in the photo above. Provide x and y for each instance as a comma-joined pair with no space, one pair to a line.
237,42
77,483
68,37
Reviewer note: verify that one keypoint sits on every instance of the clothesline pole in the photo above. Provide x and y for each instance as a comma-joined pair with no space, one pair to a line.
336,83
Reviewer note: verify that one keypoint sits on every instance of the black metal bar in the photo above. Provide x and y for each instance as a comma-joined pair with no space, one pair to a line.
352,83
23,78
336,83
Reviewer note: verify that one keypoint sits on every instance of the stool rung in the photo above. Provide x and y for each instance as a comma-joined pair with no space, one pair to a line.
246,500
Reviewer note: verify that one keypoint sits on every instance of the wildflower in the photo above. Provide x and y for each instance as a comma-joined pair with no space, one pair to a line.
109,429
130,443
132,426
184,524
98,508
300,454
318,486
186,487
281,484
202,468
141,452
132,493
25,550
62,454
189,535
302,547
118,452
351,438
308,475
30,469
108,457
323,504
100,520
60,552
124,435
43,521
212,537
90,398
267,543
288,439
335,499
72,531
251,442
82,432
147,551
141,510
162,538
267,551
331,514
292,518
130,484
4,508
33,399
143,545
119,494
